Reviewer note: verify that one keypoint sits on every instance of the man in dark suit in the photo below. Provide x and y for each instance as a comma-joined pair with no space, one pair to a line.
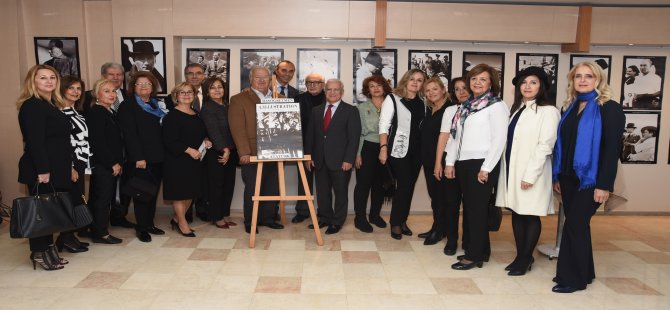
242,121
109,71
284,73
332,140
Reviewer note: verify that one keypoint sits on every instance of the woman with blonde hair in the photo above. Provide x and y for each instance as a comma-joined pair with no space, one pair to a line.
584,168
47,153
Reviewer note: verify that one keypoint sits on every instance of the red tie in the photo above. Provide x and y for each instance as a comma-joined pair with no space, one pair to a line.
326,119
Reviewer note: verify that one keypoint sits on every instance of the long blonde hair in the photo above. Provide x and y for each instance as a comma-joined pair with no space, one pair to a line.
602,88
30,89
401,88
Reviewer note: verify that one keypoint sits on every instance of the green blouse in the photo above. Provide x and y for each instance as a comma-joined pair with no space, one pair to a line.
369,123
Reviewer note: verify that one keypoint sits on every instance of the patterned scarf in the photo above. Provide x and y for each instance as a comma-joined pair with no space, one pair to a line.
153,107
471,106
587,149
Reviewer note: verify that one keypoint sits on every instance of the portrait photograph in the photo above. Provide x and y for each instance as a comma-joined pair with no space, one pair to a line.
640,138
62,53
604,61
548,62
493,59
323,61
268,58
214,61
642,82
433,62
145,54
369,62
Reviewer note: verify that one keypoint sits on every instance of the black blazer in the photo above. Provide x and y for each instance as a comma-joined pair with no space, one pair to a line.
340,143
89,101
292,92
105,138
611,145
47,148
215,117
142,133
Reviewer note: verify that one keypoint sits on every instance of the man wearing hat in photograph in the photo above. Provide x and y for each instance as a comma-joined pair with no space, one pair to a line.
372,65
144,59
64,64
629,141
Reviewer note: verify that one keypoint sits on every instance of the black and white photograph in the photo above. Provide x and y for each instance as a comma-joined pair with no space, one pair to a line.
278,129
493,59
433,62
145,54
268,58
214,60
640,138
62,53
369,62
323,61
642,82
604,61
548,62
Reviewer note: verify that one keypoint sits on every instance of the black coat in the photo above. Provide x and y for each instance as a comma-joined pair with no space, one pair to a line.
142,133
105,138
215,117
340,143
47,148
307,103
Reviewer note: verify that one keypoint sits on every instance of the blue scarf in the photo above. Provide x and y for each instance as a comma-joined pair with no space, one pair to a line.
153,107
587,150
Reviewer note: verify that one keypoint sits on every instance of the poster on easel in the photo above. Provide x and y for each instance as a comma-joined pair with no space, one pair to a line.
278,129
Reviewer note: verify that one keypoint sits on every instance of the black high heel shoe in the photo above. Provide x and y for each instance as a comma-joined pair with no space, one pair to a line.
55,257
396,235
43,259
405,230
520,271
461,257
70,245
466,266
175,226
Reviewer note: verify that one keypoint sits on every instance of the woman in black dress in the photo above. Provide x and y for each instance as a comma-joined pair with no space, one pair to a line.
107,145
185,138
47,154
71,89
140,117
221,161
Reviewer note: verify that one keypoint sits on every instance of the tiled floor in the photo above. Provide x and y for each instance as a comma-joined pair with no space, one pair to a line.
352,270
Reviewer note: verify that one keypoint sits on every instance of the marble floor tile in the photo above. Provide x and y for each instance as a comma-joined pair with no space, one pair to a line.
455,286
283,301
217,243
367,286
628,286
653,257
280,269
395,301
287,245
209,254
358,245
104,280
325,270
235,284
411,286
360,257
322,285
633,245
282,285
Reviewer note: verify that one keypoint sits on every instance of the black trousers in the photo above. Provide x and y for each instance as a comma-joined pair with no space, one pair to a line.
445,201
120,209
369,180
269,187
40,244
406,171
77,190
103,188
329,182
575,266
301,206
146,211
476,201
221,184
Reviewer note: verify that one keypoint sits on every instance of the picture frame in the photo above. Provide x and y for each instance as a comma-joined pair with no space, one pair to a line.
493,59
640,139
145,54
325,61
548,62
62,53
642,82
373,61
604,61
433,62
218,67
268,58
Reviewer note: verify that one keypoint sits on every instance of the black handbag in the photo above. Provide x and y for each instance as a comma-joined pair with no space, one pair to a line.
494,214
81,215
389,182
140,188
41,214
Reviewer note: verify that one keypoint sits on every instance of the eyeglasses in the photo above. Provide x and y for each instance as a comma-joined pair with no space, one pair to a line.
195,73
261,78
313,83
144,84
186,93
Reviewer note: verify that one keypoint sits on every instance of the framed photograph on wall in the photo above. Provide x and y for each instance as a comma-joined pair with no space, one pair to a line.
145,54
642,82
369,62
640,140
62,53
493,59
604,61
433,62
214,60
323,61
268,58
548,62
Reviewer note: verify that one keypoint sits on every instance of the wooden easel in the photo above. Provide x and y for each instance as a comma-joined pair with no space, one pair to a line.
282,198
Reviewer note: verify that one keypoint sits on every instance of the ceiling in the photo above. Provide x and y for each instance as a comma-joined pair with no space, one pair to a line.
601,3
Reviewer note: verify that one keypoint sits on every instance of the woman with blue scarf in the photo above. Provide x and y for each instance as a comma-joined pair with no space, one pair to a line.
584,168
140,118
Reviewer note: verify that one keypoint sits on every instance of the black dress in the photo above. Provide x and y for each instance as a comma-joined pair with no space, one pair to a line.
182,175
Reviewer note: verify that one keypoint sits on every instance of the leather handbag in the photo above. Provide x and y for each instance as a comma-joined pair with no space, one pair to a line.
389,182
81,215
140,188
41,214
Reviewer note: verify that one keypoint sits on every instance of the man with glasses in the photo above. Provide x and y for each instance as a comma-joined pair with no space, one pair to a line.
313,97
242,120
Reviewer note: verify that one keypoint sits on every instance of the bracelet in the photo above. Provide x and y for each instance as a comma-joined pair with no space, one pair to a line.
382,146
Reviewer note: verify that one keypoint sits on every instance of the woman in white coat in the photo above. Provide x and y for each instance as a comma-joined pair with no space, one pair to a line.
525,185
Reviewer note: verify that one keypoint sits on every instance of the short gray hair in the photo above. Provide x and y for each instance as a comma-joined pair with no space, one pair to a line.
107,65
336,81
255,68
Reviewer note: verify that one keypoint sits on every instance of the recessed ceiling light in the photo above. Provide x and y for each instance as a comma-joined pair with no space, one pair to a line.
630,44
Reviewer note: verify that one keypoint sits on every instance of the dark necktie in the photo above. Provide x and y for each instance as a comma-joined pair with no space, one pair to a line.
327,117
281,89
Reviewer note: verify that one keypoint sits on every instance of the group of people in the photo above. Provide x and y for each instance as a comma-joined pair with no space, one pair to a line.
473,148
642,86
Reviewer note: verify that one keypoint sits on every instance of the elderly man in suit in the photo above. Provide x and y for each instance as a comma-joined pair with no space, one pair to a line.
217,67
242,120
332,140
